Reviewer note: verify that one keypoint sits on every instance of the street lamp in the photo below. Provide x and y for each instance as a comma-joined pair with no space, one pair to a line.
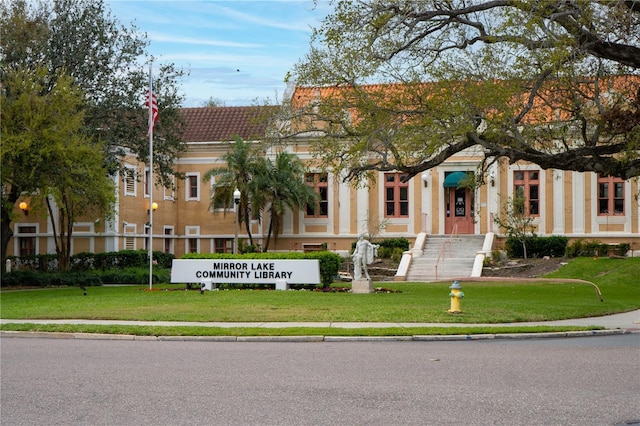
25,208
154,207
236,202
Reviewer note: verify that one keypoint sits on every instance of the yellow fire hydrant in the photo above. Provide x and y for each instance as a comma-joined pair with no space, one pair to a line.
455,296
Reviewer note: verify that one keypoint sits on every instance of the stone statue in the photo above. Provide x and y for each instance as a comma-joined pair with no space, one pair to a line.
362,256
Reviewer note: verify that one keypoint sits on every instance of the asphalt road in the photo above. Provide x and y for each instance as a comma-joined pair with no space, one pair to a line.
576,381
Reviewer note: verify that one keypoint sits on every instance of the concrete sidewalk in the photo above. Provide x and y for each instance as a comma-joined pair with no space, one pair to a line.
628,321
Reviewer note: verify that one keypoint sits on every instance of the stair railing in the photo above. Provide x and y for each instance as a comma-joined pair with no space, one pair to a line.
443,249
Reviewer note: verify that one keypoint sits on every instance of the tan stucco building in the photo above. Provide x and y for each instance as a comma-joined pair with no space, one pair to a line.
576,205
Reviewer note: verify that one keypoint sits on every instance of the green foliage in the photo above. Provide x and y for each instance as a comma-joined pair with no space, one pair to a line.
595,248
43,43
517,223
392,243
145,330
279,186
490,83
388,246
329,261
134,276
396,255
119,259
29,278
83,39
39,262
42,132
553,246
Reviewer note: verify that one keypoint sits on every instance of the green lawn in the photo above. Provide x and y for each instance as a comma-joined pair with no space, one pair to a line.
495,302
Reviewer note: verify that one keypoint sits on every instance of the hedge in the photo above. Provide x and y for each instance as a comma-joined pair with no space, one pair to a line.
27,278
553,246
119,259
595,248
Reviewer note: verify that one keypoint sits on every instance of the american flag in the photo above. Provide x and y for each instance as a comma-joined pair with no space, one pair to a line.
153,115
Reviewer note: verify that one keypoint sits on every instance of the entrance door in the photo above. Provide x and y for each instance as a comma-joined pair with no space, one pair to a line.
459,212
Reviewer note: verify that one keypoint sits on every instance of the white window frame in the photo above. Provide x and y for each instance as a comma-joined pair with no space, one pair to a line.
169,237
169,194
188,196
17,235
130,172
189,233
129,240
146,186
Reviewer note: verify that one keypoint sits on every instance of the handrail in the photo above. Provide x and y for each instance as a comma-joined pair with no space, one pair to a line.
454,233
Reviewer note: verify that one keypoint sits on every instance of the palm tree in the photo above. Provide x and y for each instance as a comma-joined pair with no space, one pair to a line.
243,162
281,186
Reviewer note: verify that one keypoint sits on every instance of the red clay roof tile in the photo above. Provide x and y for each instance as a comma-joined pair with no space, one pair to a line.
221,124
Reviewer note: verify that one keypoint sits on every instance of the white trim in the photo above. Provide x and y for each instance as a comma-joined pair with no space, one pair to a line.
17,235
145,176
172,192
327,221
344,205
538,221
606,220
129,232
187,193
134,176
558,202
191,232
170,236
579,207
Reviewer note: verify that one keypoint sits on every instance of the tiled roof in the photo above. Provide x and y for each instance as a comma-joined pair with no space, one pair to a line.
221,124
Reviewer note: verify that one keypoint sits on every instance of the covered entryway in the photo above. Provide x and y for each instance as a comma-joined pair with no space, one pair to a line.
459,216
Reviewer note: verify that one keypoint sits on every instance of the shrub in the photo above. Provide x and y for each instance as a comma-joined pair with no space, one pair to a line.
396,256
388,246
40,262
581,248
134,276
27,278
554,246
119,259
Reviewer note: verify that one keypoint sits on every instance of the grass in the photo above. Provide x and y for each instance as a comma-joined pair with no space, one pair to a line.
286,331
491,303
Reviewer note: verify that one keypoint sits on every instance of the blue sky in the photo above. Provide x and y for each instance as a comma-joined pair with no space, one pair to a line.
236,51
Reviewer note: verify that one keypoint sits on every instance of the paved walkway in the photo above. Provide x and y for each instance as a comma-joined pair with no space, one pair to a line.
628,321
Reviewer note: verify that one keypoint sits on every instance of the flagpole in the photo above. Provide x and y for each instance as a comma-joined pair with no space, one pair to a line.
150,182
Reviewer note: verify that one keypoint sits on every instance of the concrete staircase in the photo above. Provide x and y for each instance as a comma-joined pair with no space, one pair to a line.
444,257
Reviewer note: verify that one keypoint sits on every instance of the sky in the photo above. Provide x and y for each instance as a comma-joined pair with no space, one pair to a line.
236,52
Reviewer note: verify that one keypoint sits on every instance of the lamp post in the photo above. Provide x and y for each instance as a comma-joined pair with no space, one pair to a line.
236,202
25,208
152,208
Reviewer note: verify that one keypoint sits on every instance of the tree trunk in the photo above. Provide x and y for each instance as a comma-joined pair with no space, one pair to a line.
5,218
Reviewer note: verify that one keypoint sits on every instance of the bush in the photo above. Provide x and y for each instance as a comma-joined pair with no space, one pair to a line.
134,276
396,255
554,246
26,278
388,246
119,259
581,248
40,262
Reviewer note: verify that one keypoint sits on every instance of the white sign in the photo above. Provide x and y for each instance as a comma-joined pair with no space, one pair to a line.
251,271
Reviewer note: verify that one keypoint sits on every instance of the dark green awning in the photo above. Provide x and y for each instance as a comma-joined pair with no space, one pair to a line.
453,179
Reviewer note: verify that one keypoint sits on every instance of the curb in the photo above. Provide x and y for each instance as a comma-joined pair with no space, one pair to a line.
312,338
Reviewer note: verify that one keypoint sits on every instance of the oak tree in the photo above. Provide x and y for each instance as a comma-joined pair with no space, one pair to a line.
552,82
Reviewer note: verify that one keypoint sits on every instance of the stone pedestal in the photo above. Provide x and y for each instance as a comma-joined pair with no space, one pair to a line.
362,286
